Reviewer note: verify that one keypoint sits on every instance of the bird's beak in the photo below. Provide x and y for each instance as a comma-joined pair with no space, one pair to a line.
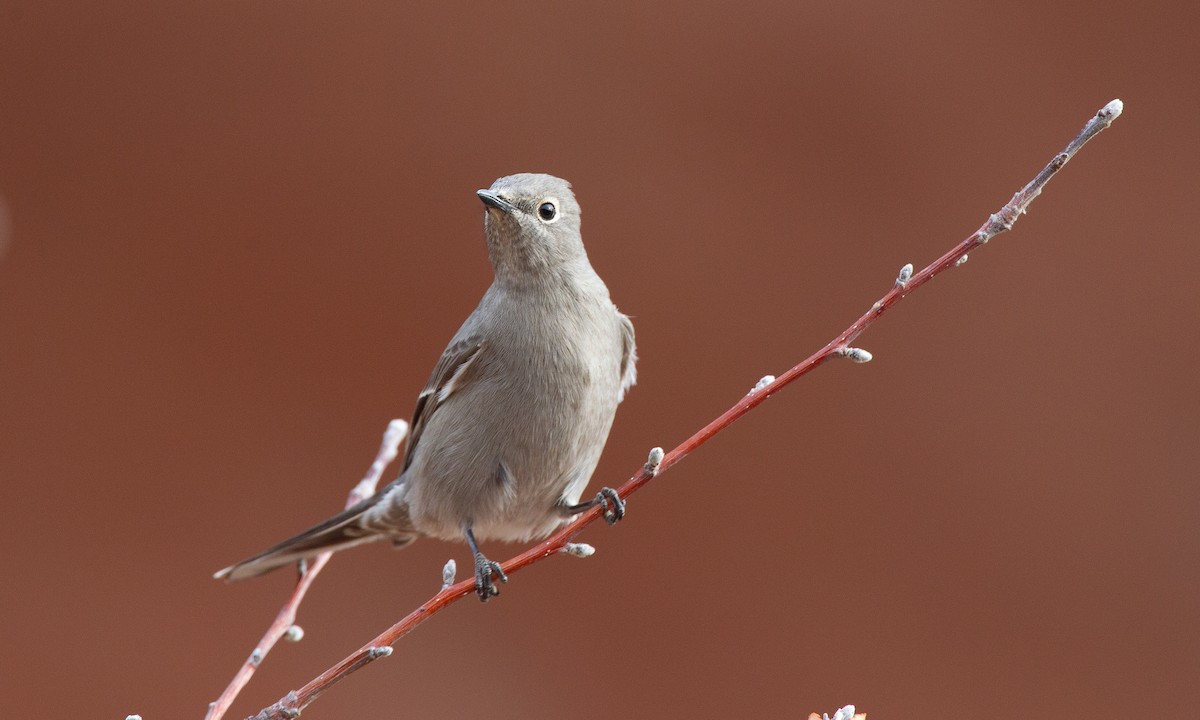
493,200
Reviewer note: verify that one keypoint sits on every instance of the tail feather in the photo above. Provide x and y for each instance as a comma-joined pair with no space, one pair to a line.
339,532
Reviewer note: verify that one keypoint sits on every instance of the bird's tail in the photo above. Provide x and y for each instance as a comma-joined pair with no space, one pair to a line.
339,532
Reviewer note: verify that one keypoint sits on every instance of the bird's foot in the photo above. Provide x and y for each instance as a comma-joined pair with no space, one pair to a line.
612,505
608,500
486,574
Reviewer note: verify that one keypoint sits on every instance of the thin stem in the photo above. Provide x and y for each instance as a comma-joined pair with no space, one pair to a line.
294,702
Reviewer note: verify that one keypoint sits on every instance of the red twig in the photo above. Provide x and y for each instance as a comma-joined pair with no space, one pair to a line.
295,701
285,620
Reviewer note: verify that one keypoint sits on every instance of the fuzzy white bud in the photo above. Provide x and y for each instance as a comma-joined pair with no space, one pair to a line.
580,550
654,460
857,355
765,381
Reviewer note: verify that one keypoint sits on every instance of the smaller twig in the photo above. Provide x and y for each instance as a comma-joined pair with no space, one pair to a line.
388,450
285,625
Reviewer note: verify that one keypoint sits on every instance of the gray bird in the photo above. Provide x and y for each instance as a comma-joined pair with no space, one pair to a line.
508,430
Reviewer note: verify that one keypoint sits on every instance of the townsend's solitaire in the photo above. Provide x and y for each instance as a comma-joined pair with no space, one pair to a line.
510,426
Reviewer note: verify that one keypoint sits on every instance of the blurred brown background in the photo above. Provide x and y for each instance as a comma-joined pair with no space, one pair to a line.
239,235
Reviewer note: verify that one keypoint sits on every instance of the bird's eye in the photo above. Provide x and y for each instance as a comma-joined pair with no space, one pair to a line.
547,211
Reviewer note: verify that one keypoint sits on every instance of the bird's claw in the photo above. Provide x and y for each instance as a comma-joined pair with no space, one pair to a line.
612,505
485,571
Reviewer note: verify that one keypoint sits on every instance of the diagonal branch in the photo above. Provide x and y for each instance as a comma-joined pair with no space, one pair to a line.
294,702
285,621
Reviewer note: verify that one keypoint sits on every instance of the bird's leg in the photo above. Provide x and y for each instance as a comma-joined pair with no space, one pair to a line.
485,586
607,498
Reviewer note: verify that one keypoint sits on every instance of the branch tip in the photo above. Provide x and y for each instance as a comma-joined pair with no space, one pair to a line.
580,550
857,355
653,461
396,430
762,383
449,572
389,449
133,717
1111,111
905,275
295,633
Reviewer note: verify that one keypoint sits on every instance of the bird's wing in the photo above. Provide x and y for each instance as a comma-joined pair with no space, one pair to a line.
628,357
450,374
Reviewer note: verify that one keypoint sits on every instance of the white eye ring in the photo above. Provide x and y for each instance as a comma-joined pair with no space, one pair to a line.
547,210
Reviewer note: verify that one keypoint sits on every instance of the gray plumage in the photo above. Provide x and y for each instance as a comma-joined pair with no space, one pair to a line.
508,430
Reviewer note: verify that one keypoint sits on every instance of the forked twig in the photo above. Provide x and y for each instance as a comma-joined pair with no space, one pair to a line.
285,621
906,281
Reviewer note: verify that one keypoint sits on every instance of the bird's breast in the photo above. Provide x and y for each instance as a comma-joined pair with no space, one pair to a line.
529,432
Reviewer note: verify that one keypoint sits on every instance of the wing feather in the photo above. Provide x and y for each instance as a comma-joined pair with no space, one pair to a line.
450,374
